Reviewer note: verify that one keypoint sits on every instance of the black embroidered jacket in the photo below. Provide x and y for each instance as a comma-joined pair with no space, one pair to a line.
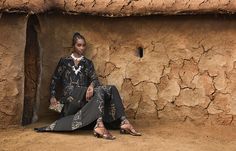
65,73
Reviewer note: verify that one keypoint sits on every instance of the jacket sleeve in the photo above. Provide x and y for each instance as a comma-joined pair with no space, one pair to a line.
57,75
93,79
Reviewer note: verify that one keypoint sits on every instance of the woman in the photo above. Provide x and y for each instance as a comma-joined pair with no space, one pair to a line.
85,99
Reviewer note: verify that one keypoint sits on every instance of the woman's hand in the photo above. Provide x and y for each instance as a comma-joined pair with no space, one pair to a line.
53,101
89,92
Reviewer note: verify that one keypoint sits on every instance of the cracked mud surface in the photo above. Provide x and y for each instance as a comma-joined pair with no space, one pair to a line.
120,7
12,69
187,72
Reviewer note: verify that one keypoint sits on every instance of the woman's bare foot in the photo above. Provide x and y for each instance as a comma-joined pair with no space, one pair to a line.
127,128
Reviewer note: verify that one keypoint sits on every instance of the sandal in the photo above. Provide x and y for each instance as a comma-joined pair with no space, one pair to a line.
106,134
128,130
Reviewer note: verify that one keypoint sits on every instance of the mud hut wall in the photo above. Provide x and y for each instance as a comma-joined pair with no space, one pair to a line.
12,45
187,71
120,7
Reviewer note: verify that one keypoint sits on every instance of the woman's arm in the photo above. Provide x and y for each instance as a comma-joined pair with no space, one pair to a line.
56,78
93,79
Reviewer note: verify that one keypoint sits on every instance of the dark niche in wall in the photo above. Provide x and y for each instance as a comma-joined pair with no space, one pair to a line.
140,52
32,70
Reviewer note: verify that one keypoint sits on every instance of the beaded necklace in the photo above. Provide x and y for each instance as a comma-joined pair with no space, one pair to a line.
73,67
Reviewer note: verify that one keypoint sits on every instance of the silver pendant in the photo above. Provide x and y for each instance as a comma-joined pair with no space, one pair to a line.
76,70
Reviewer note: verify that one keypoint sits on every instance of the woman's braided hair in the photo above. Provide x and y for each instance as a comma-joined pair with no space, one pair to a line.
77,36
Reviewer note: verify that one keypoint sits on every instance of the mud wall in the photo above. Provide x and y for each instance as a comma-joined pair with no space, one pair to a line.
120,7
12,46
187,71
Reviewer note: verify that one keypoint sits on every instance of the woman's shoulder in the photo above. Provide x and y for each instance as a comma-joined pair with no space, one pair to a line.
86,60
65,58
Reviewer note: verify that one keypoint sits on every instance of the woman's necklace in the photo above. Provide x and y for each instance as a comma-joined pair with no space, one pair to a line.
76,70
76,59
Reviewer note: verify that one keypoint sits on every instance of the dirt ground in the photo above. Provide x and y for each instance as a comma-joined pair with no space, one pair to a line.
157,135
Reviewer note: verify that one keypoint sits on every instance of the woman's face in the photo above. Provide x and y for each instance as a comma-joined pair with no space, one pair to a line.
80,46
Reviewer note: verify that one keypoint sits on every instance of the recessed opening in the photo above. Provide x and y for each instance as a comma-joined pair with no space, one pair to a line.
140,52
32,70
